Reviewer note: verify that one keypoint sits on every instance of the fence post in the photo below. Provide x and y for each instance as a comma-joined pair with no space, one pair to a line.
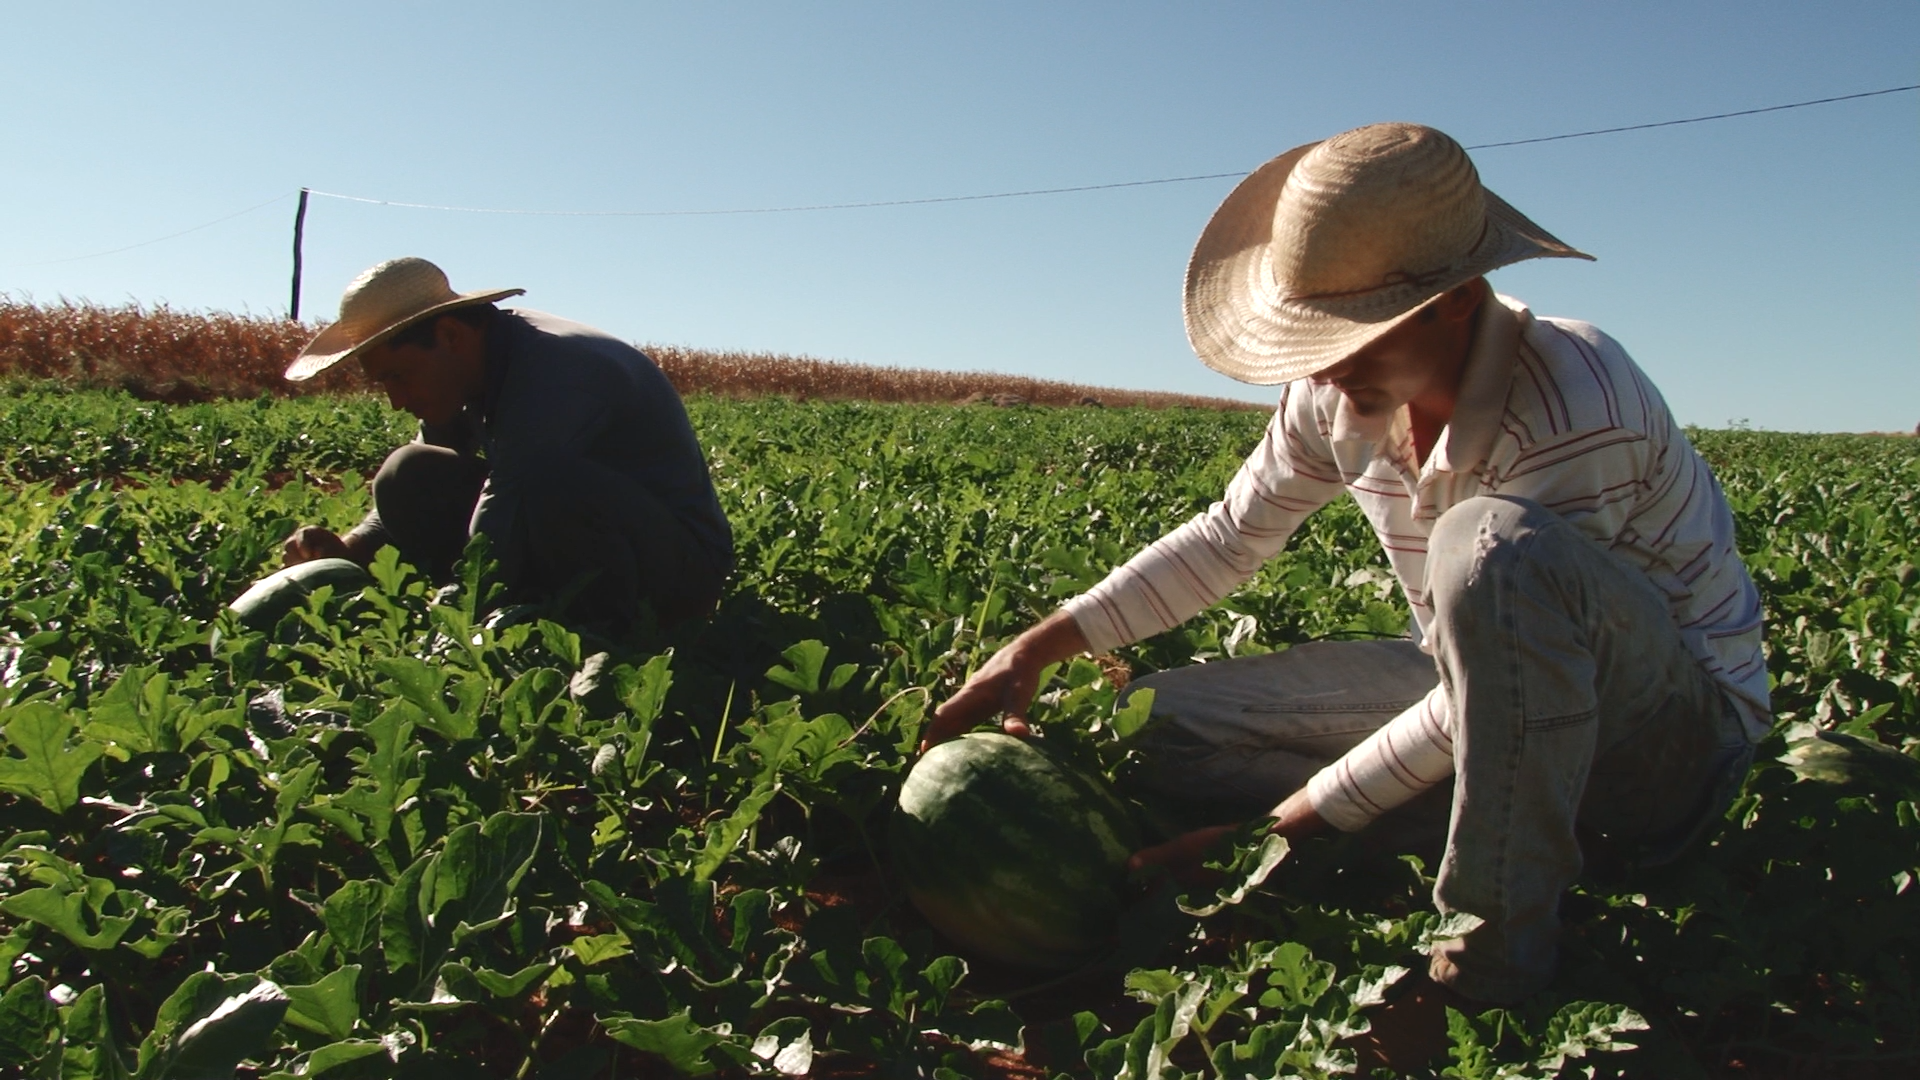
299,231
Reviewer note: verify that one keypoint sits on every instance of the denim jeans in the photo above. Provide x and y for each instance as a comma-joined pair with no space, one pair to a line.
1575,704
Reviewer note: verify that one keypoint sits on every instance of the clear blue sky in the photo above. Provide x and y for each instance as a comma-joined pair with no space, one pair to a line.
1764,269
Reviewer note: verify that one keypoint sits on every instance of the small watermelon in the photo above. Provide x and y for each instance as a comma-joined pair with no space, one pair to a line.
1011,853
270,598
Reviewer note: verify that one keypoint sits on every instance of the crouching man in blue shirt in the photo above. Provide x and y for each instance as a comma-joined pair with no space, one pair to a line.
565,446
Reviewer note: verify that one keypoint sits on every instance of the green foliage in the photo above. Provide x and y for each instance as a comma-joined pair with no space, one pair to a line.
388,837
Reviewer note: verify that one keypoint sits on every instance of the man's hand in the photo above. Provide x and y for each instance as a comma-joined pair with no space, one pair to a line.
1184,856
1411,1030
310,542
1006,683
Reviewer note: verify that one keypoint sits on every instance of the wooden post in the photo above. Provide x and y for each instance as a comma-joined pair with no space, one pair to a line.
299,232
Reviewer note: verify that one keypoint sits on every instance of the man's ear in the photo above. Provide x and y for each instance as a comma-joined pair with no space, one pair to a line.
1462,301
459,337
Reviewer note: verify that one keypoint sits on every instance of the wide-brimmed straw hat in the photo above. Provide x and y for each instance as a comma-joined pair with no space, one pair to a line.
380,303
1332,244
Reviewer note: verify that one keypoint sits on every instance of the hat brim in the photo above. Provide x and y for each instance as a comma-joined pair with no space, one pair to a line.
335,343
1239,324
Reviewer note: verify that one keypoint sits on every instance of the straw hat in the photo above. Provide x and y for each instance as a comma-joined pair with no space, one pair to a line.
380,303
1334,243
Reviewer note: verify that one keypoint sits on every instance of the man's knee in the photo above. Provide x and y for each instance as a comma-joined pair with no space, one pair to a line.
420,473
1476,533
425,497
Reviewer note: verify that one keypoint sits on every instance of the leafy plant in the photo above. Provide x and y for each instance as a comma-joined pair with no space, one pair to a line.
392,837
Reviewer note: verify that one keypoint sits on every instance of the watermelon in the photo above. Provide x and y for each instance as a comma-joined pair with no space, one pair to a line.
1012,854
270,598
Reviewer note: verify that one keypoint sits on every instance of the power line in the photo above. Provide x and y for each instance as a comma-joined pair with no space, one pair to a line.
781,209
1695,119
943,198
1075,188
169,236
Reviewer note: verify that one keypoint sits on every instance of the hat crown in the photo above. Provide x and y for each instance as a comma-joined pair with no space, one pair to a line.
392,292
1379,206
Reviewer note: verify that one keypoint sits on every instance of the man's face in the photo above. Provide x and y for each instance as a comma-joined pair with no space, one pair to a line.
431,383
1397,368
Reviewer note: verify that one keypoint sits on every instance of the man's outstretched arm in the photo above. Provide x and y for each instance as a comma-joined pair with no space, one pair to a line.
1409,754
1182,856
1006,683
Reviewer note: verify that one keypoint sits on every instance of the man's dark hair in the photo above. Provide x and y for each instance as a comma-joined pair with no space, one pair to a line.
421,334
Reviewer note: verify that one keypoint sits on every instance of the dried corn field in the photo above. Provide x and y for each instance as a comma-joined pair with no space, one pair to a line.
160,354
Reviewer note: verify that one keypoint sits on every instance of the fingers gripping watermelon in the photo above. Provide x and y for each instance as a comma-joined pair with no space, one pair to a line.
1010,853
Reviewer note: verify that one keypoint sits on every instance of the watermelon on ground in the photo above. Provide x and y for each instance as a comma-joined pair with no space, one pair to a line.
270,598
1011,853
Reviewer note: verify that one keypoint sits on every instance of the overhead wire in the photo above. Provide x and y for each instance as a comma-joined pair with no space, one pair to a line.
1696,119
942,198
282,197
780,209
1077,187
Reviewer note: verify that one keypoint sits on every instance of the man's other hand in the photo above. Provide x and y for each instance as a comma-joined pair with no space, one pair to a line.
310,542
1409,1031
1184,857
1006,683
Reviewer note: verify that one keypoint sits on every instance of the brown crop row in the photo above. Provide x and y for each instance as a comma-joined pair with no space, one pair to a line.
161,354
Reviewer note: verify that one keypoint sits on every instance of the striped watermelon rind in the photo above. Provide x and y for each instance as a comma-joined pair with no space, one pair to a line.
270,598
1012,854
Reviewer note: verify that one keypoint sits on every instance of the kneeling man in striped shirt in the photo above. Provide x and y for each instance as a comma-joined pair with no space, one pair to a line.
1586,648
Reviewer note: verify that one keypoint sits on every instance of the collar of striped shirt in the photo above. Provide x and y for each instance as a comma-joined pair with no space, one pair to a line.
1484,380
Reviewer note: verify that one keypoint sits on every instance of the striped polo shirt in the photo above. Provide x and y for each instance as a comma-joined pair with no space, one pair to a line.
1550,410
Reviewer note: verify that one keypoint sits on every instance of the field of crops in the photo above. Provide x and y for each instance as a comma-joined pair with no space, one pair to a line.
160,354
390,839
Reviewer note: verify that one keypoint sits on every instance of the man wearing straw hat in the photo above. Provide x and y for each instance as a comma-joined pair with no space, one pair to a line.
1585,654
566,447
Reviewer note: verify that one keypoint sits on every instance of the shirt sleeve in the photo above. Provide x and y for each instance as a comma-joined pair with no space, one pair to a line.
373,529
1411,753
1286,478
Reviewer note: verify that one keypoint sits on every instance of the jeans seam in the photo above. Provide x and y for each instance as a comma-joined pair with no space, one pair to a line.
1394,707
1554,723
1516,752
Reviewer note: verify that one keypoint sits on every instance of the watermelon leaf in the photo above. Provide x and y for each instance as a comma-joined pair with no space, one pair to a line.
64,908
209,1026
808,659
89,1048
1581,1027
352,915
1831,757
238,1028
336,1054
723,837
1256,852
683,1044
786,1045
988,1025
47,770
473,877
1129,718
329,1007
28,1023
